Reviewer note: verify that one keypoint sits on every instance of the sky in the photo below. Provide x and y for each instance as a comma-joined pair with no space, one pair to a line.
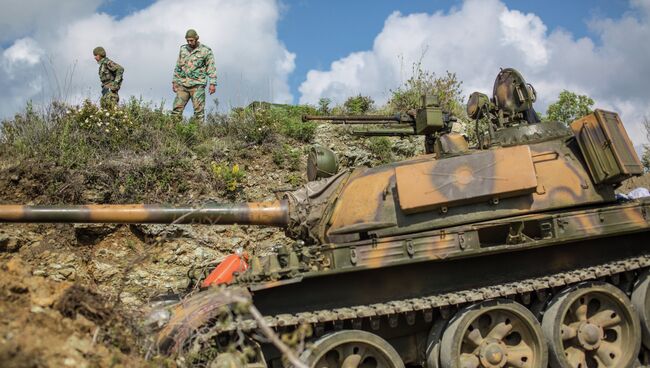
298,51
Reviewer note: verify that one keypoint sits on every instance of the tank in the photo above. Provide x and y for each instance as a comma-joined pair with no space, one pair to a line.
516,252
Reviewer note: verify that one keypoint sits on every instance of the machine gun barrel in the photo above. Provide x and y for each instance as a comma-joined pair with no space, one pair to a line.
357,119
254,213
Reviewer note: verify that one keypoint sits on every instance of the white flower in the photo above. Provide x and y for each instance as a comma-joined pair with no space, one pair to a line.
85,121
107,114
107,131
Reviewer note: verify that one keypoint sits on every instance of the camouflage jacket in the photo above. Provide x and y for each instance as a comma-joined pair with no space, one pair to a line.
110,74
195,67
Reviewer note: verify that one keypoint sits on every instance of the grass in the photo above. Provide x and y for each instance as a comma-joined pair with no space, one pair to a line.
139,152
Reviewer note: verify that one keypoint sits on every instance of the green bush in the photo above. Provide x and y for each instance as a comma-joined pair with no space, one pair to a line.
228,178
358,104
381,148
324,105
286,157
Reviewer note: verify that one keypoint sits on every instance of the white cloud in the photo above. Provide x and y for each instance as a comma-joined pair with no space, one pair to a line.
251,62
482,36
24,50
22,17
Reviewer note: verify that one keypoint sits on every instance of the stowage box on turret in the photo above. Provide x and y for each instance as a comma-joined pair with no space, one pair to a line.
514,253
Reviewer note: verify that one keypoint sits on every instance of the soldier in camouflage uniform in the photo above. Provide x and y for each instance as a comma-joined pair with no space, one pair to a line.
194,68
110,75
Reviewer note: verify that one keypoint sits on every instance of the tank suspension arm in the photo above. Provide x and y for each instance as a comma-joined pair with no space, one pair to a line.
255,213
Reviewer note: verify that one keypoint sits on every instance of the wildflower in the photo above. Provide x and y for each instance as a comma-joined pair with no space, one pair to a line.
235,169
107,131
108,114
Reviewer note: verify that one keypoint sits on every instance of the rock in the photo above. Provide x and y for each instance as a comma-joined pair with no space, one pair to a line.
103,271
18,267
200,253
129,299
37,309
42,297
68,273
9,244
83,346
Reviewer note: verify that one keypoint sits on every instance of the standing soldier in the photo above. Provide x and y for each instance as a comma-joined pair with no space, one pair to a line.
110,75
194,68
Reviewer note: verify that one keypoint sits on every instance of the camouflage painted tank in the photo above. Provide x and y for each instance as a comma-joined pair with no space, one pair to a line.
513,253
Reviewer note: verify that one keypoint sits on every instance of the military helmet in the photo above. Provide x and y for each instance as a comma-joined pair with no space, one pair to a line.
99,51
191,34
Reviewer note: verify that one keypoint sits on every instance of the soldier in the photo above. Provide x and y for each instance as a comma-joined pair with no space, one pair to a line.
194,68
110,75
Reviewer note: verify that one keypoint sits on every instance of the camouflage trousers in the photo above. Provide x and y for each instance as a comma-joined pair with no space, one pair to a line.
109,98
183,94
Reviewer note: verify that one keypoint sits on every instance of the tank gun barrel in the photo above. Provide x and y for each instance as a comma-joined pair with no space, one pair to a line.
254,213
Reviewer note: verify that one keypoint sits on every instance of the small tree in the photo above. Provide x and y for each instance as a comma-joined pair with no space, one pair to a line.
358,104
447,88
324,105
569,107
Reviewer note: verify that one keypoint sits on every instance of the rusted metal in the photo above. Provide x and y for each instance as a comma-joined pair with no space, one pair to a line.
261,213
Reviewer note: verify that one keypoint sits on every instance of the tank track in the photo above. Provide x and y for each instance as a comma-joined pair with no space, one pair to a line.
445,303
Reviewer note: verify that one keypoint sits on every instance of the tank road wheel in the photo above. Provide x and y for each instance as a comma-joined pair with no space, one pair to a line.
494,334
641,301
592,325
350,349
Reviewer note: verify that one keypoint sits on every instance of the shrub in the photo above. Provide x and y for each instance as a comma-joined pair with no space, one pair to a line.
287,157
358,104
227,178
446,88
381,148
324,105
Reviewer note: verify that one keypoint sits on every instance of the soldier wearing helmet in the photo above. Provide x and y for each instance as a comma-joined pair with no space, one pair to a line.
194,69
110,76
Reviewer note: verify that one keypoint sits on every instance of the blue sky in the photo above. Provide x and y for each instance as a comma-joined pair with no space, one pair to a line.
320,31
323,31
299,51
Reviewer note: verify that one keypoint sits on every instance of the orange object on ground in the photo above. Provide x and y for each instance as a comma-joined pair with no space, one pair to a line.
223,273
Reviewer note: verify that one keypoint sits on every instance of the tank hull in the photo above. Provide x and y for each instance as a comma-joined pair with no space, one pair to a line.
399,288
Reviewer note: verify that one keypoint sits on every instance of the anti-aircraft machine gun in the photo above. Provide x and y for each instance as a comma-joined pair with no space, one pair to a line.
514,254
430,121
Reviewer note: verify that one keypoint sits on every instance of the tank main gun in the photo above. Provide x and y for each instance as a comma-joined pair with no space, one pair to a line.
254,213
